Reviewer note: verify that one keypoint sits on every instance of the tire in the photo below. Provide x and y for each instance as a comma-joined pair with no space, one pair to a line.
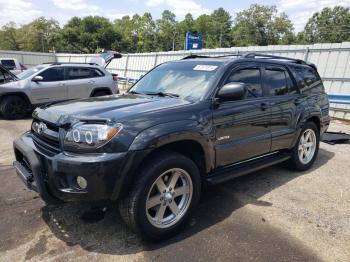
298,161
13,107
142,219
100,93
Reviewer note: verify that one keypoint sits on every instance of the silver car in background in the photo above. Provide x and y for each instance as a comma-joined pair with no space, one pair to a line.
54,82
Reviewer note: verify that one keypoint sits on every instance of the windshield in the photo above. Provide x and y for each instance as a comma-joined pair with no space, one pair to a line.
30,72
188,79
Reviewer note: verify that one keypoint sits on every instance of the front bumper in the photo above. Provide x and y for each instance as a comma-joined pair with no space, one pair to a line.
53,175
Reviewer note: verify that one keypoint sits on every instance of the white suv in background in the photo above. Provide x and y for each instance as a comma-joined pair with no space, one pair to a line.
12,65
54,82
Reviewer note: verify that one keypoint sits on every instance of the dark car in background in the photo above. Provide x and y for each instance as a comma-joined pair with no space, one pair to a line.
184,124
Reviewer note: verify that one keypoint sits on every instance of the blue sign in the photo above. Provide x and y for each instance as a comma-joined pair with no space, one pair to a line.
193,41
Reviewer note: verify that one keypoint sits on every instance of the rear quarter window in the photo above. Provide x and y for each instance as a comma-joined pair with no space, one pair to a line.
308,79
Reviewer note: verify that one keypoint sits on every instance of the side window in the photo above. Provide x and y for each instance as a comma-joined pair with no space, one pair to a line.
306,76
309,75
53,74
74,73
96,72
249,76
278,81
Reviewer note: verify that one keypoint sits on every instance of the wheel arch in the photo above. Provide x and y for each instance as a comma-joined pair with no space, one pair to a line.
98,89
190,148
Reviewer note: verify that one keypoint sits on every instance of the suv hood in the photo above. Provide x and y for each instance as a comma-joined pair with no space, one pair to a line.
109,108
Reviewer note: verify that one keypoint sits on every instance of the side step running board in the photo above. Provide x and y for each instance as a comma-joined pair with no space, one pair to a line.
237,170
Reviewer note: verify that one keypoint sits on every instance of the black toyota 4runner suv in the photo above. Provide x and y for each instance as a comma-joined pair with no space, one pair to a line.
184,124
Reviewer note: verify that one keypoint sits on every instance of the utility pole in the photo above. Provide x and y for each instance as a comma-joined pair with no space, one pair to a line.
174,35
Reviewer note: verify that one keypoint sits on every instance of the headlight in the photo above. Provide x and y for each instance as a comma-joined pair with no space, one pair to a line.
90,136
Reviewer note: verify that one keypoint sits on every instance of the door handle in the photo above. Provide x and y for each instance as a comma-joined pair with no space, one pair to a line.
91,82
264,106
62,84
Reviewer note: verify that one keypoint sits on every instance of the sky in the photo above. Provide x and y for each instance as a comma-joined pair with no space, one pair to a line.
24,11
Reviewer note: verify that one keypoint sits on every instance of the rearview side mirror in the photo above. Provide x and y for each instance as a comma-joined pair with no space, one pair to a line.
233,91
37,79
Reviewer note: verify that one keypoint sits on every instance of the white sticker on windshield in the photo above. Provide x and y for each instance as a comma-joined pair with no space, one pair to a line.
205,67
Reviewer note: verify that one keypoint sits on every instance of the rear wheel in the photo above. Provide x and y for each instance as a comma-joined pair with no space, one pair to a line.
305,151
167,190
13,107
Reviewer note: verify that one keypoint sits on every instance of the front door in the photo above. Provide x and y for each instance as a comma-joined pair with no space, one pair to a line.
242,127
51,88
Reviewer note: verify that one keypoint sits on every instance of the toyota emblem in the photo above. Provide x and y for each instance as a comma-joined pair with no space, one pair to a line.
41,128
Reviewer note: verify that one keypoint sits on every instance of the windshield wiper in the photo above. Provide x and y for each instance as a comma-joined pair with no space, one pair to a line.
161,94
135,93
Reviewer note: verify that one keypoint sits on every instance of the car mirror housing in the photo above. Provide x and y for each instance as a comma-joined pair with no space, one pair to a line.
37,79
233,91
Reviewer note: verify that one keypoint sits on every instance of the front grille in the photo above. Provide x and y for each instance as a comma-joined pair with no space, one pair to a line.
48,137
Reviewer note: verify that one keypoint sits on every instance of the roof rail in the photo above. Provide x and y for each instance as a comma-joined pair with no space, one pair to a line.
263,56
60,63
208,56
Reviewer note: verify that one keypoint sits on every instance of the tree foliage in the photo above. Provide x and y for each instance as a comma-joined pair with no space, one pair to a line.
330,25
257,25
262,25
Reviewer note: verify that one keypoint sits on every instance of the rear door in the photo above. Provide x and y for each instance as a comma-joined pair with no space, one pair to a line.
284,97
80,81
51,88
242,127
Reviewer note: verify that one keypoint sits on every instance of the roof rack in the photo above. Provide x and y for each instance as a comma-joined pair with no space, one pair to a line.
60,63
250,55
263,56
208,56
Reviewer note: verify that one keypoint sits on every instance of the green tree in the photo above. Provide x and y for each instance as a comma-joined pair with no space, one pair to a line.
262,25
204,25
222,22
9,37
167,33
89,34
186,25
330,25
39,35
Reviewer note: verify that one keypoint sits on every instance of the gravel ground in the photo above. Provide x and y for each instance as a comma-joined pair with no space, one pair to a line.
273,214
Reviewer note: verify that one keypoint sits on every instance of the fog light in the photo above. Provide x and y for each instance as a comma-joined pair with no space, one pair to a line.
82,183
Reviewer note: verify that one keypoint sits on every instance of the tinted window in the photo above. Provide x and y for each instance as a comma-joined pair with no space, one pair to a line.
276,81
9,64
249,76
309,75
53,74
306,76
79,73
96,73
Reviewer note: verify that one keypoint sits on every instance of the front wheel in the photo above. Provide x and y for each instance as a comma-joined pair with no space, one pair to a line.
163,196
305,151
13,107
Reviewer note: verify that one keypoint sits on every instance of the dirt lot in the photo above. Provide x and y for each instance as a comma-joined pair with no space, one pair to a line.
270,215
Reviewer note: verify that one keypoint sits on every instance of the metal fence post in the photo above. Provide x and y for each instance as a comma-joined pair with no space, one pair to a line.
156,59
306,56
126,65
